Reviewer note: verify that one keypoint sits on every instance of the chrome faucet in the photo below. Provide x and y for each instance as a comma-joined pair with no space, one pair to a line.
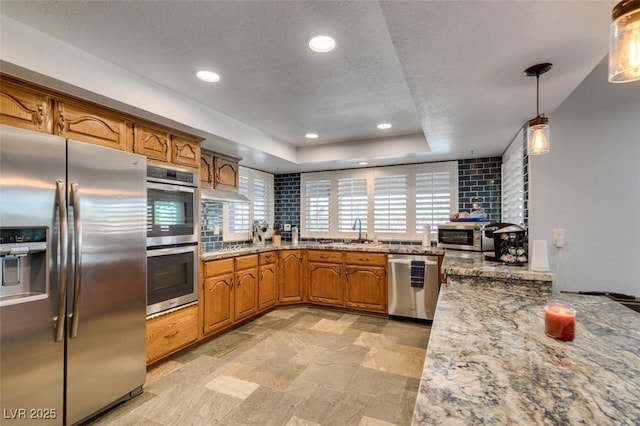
359,223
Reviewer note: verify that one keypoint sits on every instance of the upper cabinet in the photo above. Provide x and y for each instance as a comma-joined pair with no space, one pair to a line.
28,106
25,108
151,142
218,171
85,123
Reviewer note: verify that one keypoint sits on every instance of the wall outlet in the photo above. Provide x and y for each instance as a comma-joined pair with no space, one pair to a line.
558,237
216,230
287,227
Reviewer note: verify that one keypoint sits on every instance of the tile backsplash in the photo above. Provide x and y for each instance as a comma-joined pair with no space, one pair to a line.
287,202
479,180
211,216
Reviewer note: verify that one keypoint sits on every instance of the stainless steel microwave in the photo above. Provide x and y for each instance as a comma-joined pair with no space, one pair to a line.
464,236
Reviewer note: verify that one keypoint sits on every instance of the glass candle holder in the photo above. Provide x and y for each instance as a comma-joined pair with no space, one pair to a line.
560,320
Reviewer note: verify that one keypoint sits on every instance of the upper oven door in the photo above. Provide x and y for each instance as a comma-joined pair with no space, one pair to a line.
171,214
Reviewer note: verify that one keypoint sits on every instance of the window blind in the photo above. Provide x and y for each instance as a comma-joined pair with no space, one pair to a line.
513,182
317,205
238,217
352,203
390,204
239,212
433,199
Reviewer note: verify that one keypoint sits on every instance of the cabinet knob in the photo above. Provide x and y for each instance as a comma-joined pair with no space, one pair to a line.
61,122
40,116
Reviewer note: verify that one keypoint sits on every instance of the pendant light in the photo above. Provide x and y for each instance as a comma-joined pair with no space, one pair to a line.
538,129
624,42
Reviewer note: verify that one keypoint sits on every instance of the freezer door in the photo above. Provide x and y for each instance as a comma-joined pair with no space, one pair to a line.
31,360
107,297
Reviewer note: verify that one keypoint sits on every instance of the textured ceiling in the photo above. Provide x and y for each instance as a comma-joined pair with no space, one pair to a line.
447,71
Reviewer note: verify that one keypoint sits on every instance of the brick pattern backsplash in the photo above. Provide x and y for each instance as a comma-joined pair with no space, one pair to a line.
210,216
481,178
287,202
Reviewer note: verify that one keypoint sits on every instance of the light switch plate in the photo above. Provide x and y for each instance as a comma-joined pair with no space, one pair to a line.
287,227
216,230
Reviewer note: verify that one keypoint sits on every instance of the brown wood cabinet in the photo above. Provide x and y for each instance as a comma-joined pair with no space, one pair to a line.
218,295
365,281
185,152
246,287
267,281
324,277
151,142
169,333
291,276
85,123
206,169
25,108
225,173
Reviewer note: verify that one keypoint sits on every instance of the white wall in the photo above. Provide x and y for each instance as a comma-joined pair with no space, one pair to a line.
589,184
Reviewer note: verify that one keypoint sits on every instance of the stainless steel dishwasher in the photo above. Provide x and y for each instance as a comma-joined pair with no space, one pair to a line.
408,301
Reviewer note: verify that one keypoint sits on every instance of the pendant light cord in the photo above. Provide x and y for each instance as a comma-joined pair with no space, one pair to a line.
537,94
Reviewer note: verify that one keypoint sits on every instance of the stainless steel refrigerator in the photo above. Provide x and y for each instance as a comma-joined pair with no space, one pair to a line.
72,299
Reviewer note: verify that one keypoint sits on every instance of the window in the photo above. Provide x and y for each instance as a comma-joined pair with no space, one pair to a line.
239,217
393,203
352,203
513,181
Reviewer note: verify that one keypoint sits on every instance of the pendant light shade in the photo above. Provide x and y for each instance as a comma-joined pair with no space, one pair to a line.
538,128
624,42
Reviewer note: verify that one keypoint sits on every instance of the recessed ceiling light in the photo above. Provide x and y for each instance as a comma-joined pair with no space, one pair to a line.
384,126
321,44
208,76
363,163
311,136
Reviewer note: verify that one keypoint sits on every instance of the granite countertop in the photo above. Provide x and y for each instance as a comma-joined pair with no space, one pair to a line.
489,361
471,264
376,248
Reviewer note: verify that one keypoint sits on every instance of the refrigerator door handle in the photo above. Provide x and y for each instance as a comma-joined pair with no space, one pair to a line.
77,280
62,252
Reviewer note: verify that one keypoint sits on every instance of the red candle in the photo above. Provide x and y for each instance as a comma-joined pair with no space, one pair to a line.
560,321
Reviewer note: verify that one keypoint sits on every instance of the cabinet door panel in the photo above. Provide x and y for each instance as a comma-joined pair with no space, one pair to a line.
154,144
325,283
185,152
291,276
366,288
246,293
86,124
226,174
206,170
25,108
267,286
218,302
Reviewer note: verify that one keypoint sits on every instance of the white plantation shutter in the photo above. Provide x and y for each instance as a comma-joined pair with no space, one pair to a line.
513,182
239,212
433,199
352,203
393,203
317,205
390,204
238,217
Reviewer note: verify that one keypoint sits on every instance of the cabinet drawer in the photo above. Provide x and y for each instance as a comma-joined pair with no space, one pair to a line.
170,332
364,258
217,267
266,258
324,256
244,262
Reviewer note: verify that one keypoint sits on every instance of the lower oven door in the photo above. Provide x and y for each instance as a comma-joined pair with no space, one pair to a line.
172,277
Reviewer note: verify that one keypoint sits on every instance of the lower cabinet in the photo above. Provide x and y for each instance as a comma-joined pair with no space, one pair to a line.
267,281
291,276
366,281
218,302
324,282
246,292
169,333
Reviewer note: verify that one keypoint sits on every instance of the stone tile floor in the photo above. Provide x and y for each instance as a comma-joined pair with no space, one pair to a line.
291,366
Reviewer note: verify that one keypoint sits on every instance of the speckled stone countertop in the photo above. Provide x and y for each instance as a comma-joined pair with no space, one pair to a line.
377,248
471,264
489,361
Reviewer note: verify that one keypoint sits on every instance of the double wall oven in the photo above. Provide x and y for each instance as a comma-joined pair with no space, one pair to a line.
172,238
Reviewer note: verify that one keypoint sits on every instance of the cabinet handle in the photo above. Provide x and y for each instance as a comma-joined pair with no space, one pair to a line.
40,116
217,177
177,152
324,257
172,335
61,122
364,259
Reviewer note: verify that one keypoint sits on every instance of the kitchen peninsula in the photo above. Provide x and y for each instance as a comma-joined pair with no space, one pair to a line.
490,362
